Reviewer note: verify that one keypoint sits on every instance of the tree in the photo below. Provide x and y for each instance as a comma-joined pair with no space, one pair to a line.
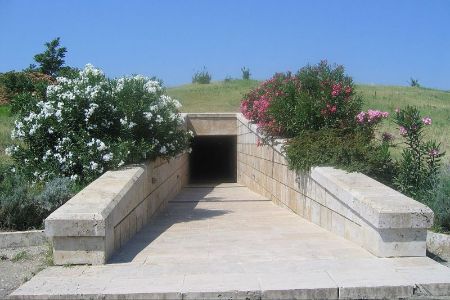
414,82
52,59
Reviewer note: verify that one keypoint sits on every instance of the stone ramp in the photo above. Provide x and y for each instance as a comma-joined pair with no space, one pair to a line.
224,241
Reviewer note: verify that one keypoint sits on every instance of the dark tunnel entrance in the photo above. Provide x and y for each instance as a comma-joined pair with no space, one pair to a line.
213,159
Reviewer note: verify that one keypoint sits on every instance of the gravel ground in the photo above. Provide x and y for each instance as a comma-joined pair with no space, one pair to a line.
18,265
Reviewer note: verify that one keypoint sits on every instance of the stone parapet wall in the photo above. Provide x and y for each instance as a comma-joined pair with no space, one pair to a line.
351,205
108,212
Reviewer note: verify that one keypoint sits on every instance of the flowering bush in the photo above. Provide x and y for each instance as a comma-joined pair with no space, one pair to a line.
90,123
320,96
419,165
255,105
319,112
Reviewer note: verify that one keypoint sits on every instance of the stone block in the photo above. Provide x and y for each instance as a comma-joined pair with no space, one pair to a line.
395,242
79,250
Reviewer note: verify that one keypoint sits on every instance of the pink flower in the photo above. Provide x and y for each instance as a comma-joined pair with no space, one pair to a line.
433,152
361,117
348,90
372,116
331,108
426,121
336,90
403,131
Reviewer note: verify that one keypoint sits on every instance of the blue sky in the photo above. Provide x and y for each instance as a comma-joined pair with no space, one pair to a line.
380,42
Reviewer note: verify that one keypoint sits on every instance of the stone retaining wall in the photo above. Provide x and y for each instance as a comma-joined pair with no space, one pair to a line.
108,212
16,239
351,205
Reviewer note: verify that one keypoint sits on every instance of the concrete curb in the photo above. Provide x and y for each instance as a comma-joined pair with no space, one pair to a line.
22,239
439,244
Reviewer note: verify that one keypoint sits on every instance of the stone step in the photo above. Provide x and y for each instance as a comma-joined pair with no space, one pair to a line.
278,279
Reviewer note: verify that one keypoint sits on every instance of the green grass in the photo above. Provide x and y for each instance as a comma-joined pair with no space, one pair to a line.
214,97
22,255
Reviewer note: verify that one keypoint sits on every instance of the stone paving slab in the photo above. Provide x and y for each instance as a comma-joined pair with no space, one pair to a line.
228,242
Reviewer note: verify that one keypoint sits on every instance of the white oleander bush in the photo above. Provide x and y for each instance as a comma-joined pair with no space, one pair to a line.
90,123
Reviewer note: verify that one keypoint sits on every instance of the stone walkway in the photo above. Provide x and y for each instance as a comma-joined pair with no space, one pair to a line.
228,242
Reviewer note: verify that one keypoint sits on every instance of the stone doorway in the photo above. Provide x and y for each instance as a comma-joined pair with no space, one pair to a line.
213,159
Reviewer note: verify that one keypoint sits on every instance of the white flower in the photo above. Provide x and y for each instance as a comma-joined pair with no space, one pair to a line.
148,115
13,170
33,128
90,70
131,125
93,165
9,150
163,150
159,119
107,157
101,146
121,163
124,121
74,177
88,112
152,86
67,96
50,130
177,104
58,115
52,89
120,84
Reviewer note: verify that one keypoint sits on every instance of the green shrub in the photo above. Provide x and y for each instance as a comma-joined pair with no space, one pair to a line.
24,89
420,161
90,124
245,73
202,77
348,149
54,194
23,205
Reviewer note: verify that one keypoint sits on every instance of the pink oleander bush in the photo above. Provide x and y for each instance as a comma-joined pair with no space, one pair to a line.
319,112
418,168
